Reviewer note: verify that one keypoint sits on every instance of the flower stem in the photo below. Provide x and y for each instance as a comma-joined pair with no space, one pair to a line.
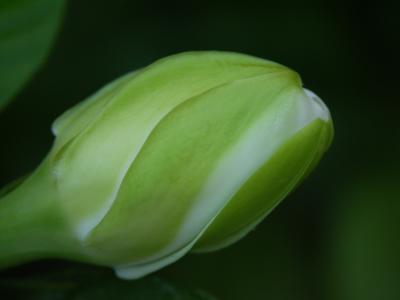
31,223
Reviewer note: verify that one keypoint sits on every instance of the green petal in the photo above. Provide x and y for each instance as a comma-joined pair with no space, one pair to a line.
91,166
77,118
266,188
196,158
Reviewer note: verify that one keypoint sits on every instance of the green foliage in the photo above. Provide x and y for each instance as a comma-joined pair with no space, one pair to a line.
365,246
81,283
27,29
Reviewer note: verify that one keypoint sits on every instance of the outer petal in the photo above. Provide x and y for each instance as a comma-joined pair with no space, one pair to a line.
192,164
266,188
102,152
78,118
275,179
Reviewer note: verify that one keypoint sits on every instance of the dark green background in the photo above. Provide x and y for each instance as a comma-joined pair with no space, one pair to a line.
336,236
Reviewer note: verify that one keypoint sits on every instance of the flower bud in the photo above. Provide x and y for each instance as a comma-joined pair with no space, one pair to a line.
190,153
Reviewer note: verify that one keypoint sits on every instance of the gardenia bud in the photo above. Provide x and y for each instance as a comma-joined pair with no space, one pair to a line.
190,153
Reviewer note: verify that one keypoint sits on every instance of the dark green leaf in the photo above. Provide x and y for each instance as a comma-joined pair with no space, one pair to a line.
365,246
85,283
27,29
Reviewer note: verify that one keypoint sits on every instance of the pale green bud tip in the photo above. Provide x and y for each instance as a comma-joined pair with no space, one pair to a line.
190,153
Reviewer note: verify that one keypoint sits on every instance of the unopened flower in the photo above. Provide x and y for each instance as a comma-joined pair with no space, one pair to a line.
190,153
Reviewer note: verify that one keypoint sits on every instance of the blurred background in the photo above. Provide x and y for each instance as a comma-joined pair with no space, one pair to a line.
336,236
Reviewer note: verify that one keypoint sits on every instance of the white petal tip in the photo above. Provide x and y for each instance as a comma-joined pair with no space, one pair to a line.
319,106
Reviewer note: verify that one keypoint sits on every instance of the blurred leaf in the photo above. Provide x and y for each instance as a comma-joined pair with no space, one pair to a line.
266,265
151,288
86,283
27,29
365,248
